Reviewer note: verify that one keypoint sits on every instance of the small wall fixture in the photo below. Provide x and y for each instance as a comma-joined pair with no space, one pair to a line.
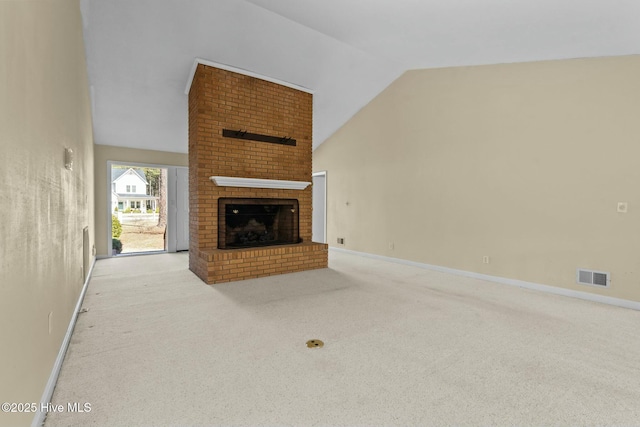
68,158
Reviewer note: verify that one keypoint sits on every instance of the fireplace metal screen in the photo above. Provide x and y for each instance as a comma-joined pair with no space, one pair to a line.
245,223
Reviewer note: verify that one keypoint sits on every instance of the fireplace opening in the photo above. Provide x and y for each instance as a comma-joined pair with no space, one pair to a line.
246,223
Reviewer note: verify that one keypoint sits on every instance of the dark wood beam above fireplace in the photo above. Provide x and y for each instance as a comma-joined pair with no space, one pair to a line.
241,134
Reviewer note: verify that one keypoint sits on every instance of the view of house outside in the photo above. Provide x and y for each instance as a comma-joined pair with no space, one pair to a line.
138,208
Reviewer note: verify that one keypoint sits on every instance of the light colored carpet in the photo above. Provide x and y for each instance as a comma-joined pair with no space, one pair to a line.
403,346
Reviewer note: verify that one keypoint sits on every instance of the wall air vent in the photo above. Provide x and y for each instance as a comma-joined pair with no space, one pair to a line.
590,277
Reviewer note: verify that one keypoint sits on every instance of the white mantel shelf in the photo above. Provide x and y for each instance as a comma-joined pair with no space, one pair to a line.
229,181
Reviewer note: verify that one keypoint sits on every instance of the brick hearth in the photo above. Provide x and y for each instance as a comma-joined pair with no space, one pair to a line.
220,99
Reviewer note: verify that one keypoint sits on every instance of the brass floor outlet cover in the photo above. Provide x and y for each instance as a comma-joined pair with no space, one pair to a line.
314,343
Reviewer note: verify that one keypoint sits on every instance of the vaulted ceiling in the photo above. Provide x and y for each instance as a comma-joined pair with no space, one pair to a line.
140,52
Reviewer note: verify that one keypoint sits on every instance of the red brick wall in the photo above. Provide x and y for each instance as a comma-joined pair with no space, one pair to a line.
221,99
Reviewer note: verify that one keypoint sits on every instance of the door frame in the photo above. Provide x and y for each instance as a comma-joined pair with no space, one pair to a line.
170,241
172,203
322,173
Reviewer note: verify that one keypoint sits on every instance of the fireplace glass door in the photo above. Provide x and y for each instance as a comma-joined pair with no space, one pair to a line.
245,223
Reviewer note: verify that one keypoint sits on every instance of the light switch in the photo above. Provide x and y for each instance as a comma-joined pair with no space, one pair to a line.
622,207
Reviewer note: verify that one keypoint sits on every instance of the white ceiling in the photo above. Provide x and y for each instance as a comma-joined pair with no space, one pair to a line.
140,52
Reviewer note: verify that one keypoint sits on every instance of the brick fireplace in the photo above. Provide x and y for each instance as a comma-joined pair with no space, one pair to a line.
249,178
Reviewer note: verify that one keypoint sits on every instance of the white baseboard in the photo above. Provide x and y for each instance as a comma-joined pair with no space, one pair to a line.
40,416
634,305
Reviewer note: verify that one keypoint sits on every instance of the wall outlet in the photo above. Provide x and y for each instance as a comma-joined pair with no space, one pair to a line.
341,240
391,245
50,322
485,259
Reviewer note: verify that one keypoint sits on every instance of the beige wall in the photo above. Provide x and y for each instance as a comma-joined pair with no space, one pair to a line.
524,163
44,108
105,153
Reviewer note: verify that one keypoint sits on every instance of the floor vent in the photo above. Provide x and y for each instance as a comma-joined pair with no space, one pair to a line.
590,277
